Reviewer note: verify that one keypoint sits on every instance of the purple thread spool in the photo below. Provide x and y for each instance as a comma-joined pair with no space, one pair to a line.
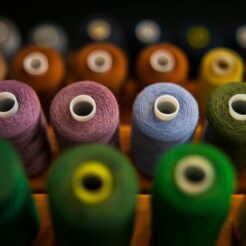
22,123
85,112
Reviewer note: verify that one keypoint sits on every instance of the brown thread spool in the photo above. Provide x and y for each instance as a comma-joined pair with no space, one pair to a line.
162,62
103,63
3,67
42,68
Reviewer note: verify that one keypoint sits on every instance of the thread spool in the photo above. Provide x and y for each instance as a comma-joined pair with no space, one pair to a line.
51,35
100,28
196,39
164,115
22,123
10,39
42,68
87,186
85,112
162,62
19,219
218,67
191,195
3,67
101,62
225,127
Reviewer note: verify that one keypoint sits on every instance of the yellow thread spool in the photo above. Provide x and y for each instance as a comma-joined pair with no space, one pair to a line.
218,67
92,182
198,37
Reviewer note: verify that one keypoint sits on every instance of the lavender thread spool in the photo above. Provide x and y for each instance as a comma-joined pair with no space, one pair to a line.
22,123
85,112
164,115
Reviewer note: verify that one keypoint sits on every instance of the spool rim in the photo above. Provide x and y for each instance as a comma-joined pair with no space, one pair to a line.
148,31
84,100
223,60
99,29
185,184
170,101
8,97
236,98
83,192
42,63
162,61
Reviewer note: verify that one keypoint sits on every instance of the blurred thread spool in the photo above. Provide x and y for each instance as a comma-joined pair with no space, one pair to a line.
191,196
3,67
225,127
85,112
164,115
103,63
162,62
51,35
218,67
22,123
19,219
100,28
92,196
42,68
146,32
197,39
10,39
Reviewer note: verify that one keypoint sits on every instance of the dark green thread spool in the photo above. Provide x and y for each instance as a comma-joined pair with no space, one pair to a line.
19,220
92,196
226,122
191,196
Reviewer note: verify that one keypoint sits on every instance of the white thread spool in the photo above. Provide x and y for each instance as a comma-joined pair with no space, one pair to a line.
237,107
162,61
8,105
194,175
241,36
166,107
82,108
99,61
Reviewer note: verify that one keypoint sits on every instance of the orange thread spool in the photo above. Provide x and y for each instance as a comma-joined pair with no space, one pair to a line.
162,62
101,62
3,67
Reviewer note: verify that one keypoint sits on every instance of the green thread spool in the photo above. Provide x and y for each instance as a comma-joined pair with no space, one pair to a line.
191,196
226,118
19,220
92,197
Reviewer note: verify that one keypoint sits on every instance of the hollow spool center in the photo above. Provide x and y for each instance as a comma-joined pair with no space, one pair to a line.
166,107
223,65
237,107
92,182
8,104
194,175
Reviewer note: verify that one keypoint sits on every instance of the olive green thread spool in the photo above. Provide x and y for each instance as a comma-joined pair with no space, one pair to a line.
226,117
191,196
19,219
92,197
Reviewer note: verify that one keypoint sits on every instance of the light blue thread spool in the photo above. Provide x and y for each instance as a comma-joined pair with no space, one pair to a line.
164,115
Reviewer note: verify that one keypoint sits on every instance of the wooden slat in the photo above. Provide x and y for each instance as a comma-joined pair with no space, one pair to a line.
142,235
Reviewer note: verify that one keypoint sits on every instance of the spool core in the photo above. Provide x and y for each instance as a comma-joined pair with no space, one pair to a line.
36,63
237,107
8,105
148,31
99,29
166,107
223,65
99,61
92,182
162,61
82,108
194,174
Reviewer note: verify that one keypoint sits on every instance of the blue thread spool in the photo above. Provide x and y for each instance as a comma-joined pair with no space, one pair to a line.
10,39
164,115
51,35
99,28
196,38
